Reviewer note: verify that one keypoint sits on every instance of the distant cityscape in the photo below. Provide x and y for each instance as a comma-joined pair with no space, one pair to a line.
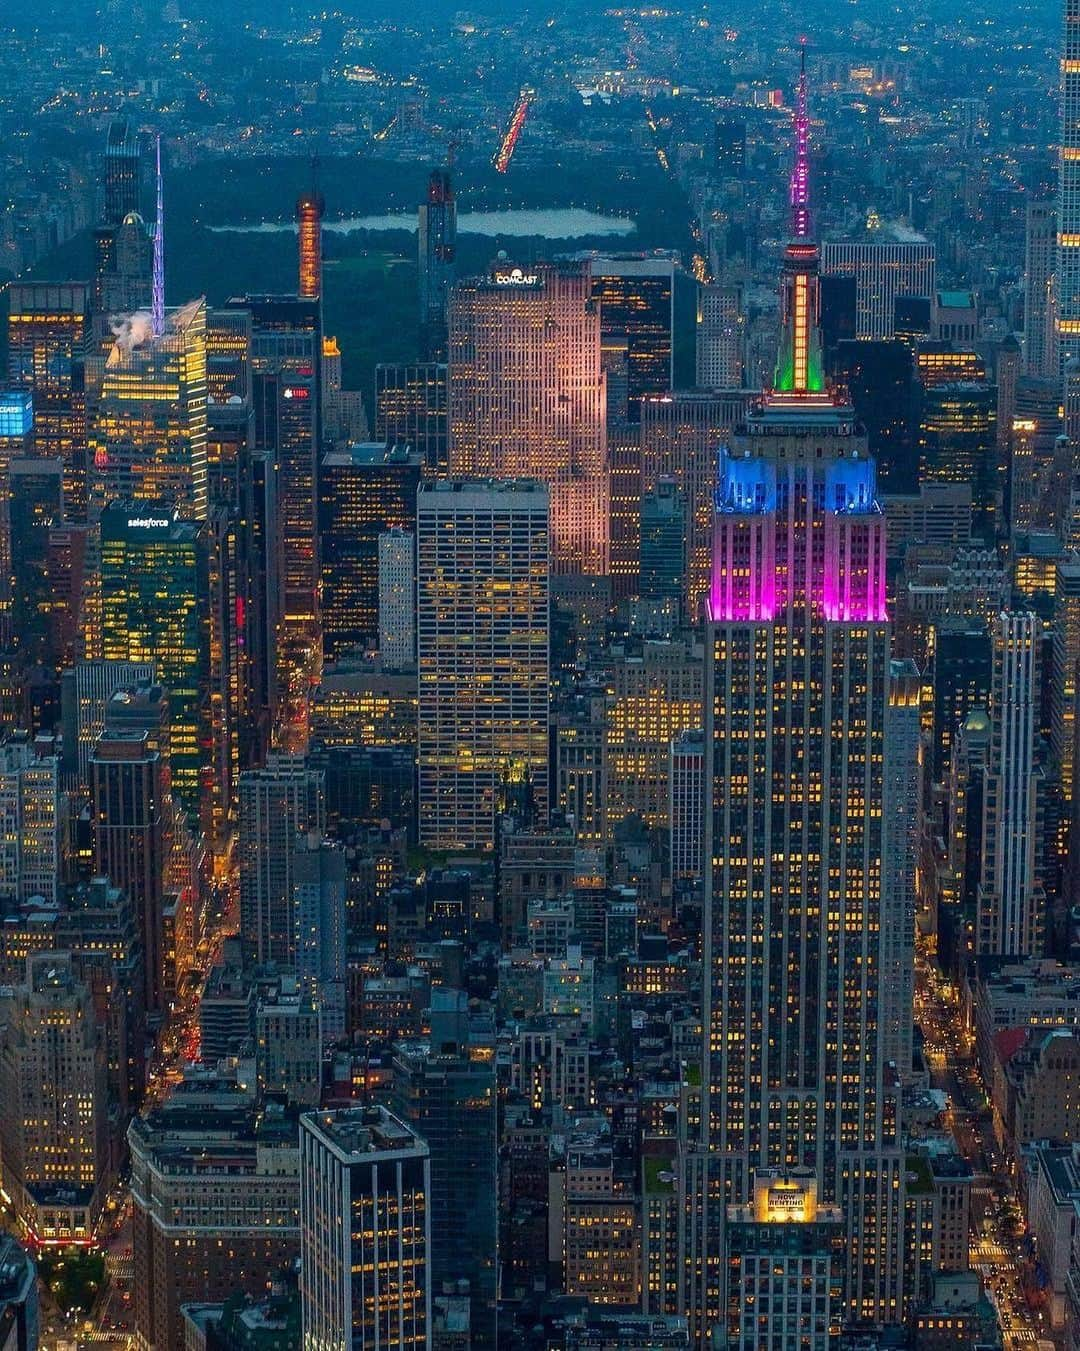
539,666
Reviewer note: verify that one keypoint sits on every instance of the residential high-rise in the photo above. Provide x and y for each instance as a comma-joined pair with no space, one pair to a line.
796,767
411,410
365,1264
129,784
1066,284
884,269
153,581
364,491
148,439
277,803
1040,255
483,652
123,172
48,335
720,337
397,599
1011,902
437,245
444,1088
636,296
53,1106
527,397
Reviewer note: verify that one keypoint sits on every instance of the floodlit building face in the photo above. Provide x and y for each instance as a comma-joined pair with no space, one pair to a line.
365,1184
483,654
148,441
528,398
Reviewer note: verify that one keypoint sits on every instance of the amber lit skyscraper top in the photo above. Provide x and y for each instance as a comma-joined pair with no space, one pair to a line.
309,213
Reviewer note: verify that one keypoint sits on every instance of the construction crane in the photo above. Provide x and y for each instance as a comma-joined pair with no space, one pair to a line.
505,152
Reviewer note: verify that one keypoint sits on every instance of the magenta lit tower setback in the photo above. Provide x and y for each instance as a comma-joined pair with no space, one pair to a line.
797,669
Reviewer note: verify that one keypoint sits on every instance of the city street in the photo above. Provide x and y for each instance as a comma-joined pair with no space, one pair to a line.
996,1243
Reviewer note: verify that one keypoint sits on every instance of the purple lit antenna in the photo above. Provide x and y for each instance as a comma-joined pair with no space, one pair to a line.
800,170
158,301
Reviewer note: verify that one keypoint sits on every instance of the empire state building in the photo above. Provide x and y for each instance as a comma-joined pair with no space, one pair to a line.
795,1081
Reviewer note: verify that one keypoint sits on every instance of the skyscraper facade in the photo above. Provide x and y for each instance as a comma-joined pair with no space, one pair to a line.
364,490
410,409
527,397
883,270
365,1273
152,585
1066,287
444,1089
636,296
148,442
1011,903
797,667
1040,255
123,172
130,820
286,357
437,243
680,438
48,334
397,599
53,1113
483,652
720,337
277,802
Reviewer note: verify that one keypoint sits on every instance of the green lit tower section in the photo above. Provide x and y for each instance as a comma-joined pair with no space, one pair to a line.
798,361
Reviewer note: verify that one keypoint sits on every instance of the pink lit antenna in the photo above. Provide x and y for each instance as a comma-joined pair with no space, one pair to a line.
157,315
800,169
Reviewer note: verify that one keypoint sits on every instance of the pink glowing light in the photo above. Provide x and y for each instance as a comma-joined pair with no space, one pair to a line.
800,169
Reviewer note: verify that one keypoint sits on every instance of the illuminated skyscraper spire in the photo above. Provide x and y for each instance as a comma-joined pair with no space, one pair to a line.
158,301
798,365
